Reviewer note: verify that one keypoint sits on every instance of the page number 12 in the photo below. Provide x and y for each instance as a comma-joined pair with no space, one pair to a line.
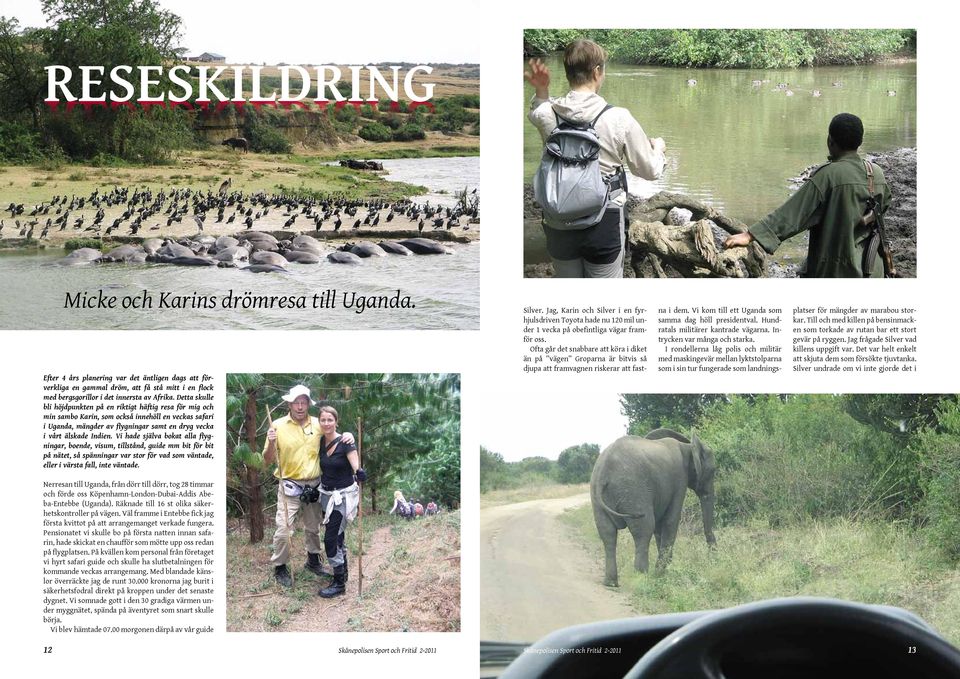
48,649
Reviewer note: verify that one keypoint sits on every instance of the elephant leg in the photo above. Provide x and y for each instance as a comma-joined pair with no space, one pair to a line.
607,530
667,533
642,530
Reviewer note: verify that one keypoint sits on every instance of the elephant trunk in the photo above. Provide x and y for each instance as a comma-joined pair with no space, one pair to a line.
706,507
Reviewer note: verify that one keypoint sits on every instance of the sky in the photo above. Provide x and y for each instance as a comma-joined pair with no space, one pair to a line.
528,424
293,31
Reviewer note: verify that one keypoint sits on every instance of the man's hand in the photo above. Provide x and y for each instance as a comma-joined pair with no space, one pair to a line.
347,438
539,77
658,144
271,434
738,240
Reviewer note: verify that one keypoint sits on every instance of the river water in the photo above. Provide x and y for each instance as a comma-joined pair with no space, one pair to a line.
444,289
735,145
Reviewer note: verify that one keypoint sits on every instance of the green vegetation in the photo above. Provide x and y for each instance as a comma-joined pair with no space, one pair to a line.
410,435
375,132
260,128
790,459
573,466
110,33
107,33
732,48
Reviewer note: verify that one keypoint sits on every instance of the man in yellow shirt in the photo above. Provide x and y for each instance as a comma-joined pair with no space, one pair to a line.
295,439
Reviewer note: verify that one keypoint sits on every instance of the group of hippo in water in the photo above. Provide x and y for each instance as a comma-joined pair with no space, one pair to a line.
253,251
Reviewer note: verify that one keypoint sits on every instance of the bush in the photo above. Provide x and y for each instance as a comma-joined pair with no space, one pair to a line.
18,143
576,463
393,121
375,132
409,132
939,453
263,131
792,460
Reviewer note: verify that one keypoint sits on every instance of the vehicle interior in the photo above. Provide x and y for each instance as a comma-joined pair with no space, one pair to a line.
784,638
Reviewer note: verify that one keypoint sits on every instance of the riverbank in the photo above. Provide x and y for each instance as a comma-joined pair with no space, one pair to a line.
296,177
900,171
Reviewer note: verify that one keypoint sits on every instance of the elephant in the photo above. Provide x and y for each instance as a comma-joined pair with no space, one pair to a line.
640,483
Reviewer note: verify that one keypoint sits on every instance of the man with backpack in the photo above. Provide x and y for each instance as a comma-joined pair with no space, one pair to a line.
581,184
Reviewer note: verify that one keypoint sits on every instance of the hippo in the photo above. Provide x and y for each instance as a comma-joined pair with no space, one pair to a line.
340,257
231,254
191,261
174,249
425,246
308,243
80,256
394,248
266,257
261,241
301,256
224,242
362,164
151,245
366,249
264,268
129,254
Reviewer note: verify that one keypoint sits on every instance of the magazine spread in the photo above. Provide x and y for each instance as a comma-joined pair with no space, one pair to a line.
262,390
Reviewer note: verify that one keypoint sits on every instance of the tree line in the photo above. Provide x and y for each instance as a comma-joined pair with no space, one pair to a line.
574,465
732,48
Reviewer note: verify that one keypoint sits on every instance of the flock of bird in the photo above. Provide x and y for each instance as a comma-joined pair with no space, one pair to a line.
143,209
785,87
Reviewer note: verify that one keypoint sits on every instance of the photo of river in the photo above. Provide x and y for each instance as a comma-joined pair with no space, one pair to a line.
734,144
443,290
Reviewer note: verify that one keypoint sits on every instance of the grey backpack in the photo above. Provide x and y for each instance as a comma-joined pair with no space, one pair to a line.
568,185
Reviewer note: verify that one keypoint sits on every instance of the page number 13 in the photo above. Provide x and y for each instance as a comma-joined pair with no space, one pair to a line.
911,649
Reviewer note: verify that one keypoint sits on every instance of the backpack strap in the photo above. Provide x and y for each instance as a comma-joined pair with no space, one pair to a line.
869,167
605,109
593,123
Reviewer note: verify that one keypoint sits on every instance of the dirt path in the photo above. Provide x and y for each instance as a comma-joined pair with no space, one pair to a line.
532,579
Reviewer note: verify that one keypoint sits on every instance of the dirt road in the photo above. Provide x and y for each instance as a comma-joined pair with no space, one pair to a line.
532,579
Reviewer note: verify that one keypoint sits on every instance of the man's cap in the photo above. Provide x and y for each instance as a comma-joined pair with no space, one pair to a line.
296,391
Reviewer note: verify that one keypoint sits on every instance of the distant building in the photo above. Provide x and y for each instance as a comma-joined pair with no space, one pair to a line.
209,57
